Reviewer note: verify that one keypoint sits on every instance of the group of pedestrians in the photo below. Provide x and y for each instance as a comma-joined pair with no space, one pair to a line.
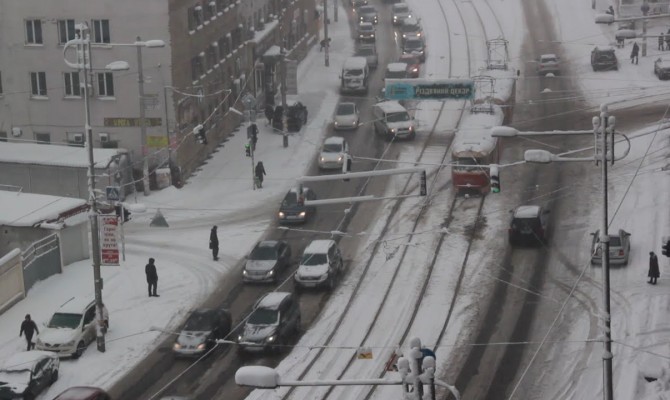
664,41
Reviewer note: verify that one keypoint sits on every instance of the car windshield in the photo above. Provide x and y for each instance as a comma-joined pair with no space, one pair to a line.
400,9
366,51
199,322
15,376
395,74
332,148
263,253
467,164
367,10
263,316
413,44
548,60
345,109
353,72
366,28
526,223
409,28
605,56
63,320
615,241
291,199
314,259
397,117
410,60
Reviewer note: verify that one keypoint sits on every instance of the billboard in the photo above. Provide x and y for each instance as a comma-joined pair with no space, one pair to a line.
109,246
425,89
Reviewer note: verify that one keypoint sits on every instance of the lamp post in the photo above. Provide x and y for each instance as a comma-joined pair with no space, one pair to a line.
325,32
603,125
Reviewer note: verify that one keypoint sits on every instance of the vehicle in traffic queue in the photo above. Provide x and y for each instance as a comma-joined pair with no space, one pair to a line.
396,71
84,393
416,46
333,153
662,68
366,33
413,64
619,248
355,4
369,51
367,13
548,64
293,208
70,330
392,121
355,76
275,319
469,153
26,374
528,226
267,260
346,116
320,266
604,59
409,28
200,332
400,11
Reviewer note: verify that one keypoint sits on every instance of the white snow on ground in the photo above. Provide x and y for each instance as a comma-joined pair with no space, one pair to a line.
224,194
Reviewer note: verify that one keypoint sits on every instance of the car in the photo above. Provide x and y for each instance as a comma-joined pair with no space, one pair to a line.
26,374
333,153
267,260
392,121
365,32
528,225
604,59
83,393
346,116
399,12
662,68
619,248
70,330
413,64
409,28
415,45
367,13
200,332
369,51
296,116
293,208
396,71
548,63
321,265
275,319
355,4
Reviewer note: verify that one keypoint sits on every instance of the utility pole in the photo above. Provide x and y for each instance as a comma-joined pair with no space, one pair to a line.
335,10
284,125
645,10
167,129
325,32
143,127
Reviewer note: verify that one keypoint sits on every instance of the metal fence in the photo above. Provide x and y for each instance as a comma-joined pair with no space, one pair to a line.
41,260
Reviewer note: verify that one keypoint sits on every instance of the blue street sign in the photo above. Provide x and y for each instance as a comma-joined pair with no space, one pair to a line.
425,89
113,193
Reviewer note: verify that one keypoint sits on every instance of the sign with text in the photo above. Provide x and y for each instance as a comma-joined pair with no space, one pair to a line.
131,122
427,89
291,77
157,141
109,246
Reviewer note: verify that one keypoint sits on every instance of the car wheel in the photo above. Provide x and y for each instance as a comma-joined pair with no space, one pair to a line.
28,395
331,282
54,376
80,350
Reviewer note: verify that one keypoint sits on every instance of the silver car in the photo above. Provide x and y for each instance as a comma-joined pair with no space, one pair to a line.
548,63
369,51
619,248
400,11
333,153
346,116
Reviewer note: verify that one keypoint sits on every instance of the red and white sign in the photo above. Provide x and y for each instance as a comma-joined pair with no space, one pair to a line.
109,246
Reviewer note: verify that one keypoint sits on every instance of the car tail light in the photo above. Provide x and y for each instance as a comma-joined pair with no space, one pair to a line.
539,232
620,252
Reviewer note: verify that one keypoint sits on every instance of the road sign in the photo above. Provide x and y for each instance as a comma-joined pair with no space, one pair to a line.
426,89
109,247
113,193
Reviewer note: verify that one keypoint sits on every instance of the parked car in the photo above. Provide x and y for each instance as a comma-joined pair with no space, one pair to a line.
26,374
604,59
275,319
399,12
200,332
416,46
662,68
293,209
409,28
321,265
413,64
365,32
367,13
70,330
296,116
369,51
528,225
267,260
548,63
619,248
346,116
333,153
83,393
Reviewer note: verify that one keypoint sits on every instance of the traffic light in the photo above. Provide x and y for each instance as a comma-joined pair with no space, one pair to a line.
495,178
346,165
423,190
665,248
121,209
199,134
247,149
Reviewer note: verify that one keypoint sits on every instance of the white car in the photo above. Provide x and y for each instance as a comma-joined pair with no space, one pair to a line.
321,265
70,329
333,153
346,116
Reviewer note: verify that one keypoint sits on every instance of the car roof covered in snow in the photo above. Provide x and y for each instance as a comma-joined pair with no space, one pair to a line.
24,360
397,67
355,63
548,56
391,106
334,140
272,300
76,305
604,48
527,212
319,246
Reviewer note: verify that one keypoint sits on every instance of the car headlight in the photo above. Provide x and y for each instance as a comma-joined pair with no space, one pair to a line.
395,17
281,214
336,123
415,70
201,346
302,214
244,272
322,159
404,35
272,338
272,272
176,346
70,343
418,34
392,130
339,159
409,16
411,128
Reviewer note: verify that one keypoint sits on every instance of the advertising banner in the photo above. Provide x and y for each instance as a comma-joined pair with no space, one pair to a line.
109,246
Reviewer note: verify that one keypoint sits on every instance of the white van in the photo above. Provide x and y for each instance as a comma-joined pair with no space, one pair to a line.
392,121
355,75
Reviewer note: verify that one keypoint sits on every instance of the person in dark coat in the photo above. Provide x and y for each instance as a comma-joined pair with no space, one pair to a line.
661,42
29,328
654,273
634,53
214,243
269,112
260,171
667,40
152,277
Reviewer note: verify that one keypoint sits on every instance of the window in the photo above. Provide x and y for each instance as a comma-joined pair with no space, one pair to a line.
72,86
101,31
210,10
38,83
42,138
195,17
223,48
66,30
105,84
196,68
1,83
34,31
211,56
3,136
220,5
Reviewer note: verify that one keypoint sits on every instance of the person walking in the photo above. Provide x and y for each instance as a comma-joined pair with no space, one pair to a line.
152,277
29,328
259,171
654,273
667,40
214,243
269,112
634,53
105,318
661,42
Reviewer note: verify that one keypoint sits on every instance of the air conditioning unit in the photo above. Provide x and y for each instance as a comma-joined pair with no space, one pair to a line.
16,131
104,137
78,138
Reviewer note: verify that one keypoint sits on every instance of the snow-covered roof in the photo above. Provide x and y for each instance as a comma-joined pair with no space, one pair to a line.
272,300
29,209
391,106
526,211
319,246
76,305
62,156
24,360
334,140
397,67
548,56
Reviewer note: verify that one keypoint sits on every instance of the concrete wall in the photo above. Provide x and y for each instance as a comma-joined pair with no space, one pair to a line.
74,243
11,280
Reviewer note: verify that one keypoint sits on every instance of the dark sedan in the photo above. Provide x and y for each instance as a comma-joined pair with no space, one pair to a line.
367,14
662,68
201,330
26,374
266,261
293,209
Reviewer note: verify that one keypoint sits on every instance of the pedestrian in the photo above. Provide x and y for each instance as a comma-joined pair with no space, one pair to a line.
634,53
152,277
214,243
269,112
654,273
323,45
619,42
29,328
259,171
667,40
104,319
661,42
254,136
